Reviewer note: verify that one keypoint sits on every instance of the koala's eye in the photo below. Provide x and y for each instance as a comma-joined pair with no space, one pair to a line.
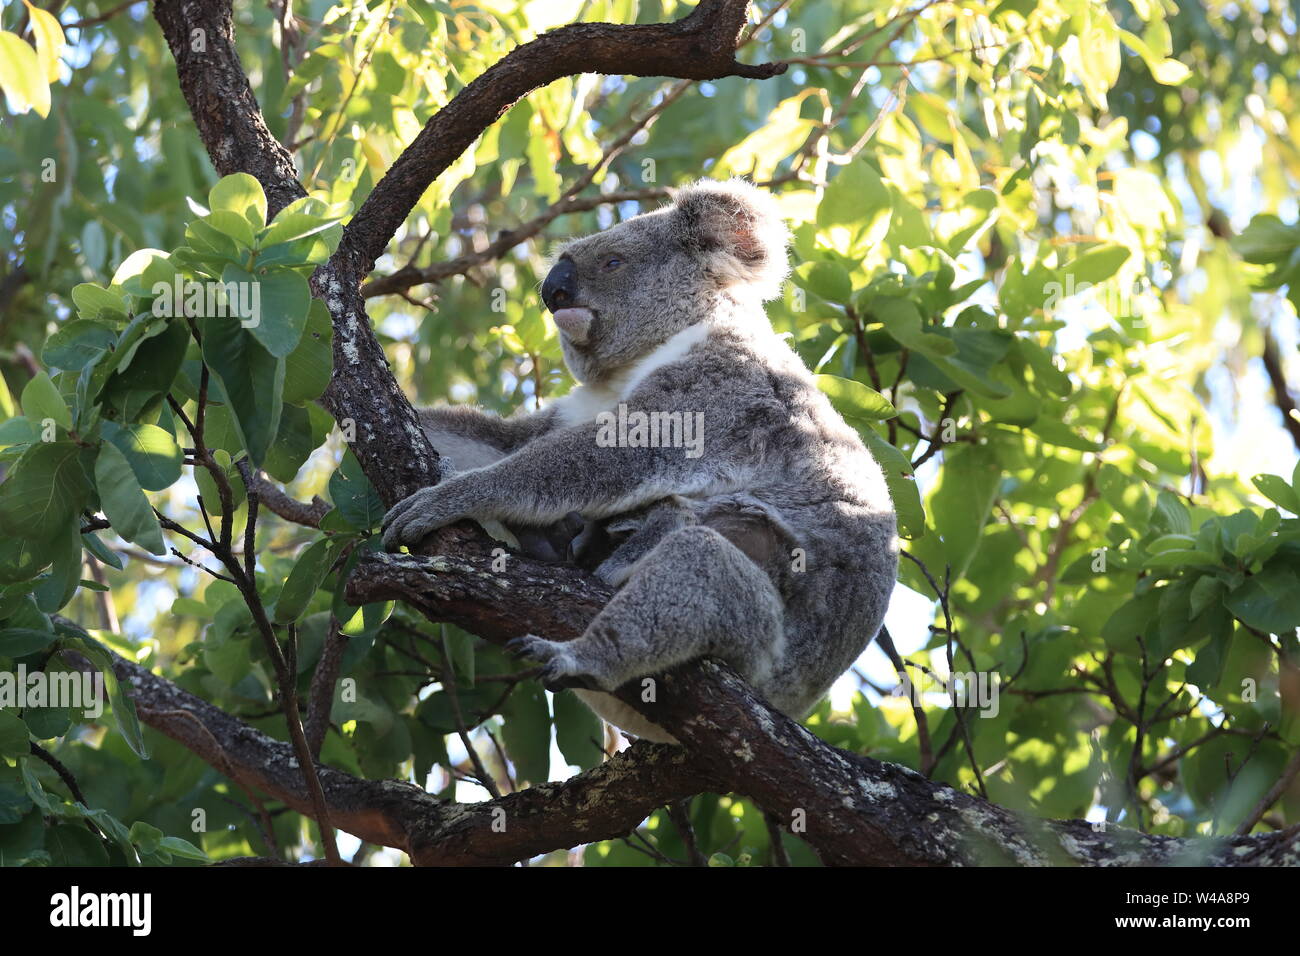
612,262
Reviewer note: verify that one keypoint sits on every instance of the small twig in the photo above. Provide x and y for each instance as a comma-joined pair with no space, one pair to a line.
679,812
64,773
1274,794
775,842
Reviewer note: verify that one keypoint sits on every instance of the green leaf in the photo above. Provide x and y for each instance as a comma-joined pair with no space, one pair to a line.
138,330
57,588
1267,240
354,496
182,848
305,578
279,303
240,193
292,226
578,732
1268,601
1126,495
294,442
129,276
1062,435
124,502
145,836
18,431
961,505
47,486
826,279
902,320
21,76
1136,617
14,741
1207,668
1279,492
22,558
855,211
92,300
41,400
1172,514
128,721
1097,264
152,453
233,225
459,648
228,658
854,400
251,383
75,344
21,641
46,723
156,360
901,483
307,369
73,845
527,731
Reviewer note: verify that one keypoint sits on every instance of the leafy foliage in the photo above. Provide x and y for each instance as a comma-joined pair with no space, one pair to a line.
1011,272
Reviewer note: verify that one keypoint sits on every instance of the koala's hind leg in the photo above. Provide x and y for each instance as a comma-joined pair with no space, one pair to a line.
695,594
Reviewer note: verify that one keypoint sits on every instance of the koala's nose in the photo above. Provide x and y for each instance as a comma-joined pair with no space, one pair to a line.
561,285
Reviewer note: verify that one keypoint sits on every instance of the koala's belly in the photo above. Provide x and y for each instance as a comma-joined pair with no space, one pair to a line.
623,717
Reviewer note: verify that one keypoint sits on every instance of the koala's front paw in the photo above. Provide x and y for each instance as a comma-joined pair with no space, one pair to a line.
414,517
561,669
615,571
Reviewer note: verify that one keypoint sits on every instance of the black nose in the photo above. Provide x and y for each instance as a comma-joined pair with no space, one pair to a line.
561,286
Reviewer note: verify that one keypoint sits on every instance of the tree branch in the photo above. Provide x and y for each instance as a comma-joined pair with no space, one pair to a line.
1276,370
604,803
853,810
202,39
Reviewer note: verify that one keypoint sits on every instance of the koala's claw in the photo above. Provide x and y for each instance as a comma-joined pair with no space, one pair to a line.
519,646
560,669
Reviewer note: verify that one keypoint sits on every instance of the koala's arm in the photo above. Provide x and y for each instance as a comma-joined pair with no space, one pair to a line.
472,438
558,472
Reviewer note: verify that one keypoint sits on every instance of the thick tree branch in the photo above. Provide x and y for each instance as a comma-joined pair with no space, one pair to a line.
856,810
849,808
202,39
603,803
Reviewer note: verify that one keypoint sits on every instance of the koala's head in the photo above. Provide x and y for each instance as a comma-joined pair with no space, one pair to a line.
620,293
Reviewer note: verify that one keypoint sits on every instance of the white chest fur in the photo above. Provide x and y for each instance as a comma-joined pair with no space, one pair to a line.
585,402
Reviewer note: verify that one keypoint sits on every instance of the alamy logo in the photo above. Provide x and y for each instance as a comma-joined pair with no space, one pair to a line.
79,691
965,689
240,300
75,908
624,429
1121,300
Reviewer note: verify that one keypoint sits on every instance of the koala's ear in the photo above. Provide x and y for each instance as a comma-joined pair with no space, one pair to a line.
737,231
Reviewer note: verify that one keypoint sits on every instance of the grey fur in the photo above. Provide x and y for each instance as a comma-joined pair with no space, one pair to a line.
712,564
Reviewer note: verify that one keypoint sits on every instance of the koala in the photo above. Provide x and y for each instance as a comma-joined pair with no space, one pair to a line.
746,521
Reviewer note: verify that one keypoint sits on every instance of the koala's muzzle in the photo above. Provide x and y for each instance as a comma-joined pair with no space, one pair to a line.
559,293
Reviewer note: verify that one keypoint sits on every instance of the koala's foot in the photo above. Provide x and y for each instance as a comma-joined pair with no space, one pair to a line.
561,670
408,521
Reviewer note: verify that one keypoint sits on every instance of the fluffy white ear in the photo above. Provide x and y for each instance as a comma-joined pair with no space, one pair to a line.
737,229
